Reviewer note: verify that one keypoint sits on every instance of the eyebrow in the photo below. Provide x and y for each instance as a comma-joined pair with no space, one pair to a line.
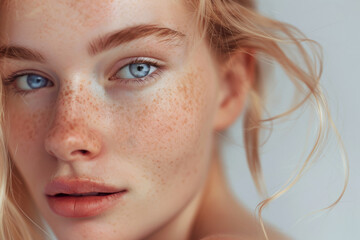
132,33
102,43
20,53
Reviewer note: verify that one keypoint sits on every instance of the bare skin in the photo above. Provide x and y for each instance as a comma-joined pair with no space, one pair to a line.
91,119
229,219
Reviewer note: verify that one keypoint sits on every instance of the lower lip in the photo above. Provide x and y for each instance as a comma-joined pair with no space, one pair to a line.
87,206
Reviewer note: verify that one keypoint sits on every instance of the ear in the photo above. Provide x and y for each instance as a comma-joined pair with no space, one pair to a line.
236,78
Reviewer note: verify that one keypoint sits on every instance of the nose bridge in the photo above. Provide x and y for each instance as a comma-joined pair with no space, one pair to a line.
70,135
71,103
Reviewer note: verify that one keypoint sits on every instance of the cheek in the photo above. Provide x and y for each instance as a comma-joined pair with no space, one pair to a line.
24,127
24,135
172,131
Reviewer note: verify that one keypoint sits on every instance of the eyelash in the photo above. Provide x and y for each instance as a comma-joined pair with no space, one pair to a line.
10,80
140,81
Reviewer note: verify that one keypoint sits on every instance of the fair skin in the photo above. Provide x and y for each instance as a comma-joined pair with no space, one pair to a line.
157,139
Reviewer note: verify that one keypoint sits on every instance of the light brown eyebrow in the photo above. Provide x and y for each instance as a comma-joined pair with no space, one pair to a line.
103,43
20,53
128,34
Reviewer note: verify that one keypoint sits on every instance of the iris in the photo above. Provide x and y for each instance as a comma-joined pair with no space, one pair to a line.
36,81
139,70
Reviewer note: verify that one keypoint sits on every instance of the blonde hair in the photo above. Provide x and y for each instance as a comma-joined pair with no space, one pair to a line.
234,25
229,26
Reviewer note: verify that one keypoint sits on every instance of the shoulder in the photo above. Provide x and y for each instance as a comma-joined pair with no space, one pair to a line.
237,237
225,237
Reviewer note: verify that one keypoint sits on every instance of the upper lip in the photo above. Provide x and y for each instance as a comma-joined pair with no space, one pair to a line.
78,186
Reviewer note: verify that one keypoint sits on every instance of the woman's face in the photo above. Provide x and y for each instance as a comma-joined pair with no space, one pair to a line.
134,110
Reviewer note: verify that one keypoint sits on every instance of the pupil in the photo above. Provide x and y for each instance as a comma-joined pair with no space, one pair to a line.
35,81
139,70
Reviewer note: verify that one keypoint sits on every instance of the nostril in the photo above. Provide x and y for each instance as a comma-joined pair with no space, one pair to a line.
74,145
84,152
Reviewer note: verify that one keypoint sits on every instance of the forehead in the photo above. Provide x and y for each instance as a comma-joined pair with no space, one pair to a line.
28,20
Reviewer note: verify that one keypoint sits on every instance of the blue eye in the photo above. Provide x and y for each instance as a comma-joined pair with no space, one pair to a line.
34,81
27,83
135,70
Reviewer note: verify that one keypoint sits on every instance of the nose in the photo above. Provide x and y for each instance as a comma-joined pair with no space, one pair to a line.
70,136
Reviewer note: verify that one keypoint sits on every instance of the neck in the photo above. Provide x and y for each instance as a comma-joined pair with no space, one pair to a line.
217,202
193,222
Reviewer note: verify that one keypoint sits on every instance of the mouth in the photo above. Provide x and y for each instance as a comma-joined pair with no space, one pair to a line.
78,187
83,194
82,205
77,198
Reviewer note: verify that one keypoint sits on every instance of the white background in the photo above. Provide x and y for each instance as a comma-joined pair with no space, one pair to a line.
335,25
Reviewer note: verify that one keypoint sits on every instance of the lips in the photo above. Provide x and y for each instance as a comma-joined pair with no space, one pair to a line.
83,194
78,187
77,198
